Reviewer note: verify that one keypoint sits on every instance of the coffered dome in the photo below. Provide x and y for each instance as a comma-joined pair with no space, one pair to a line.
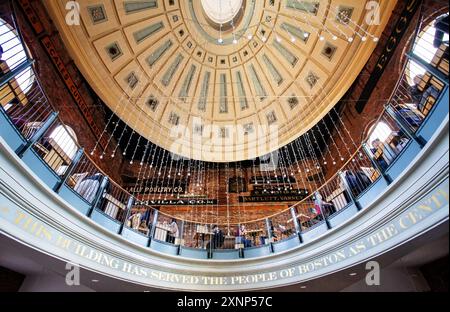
242,72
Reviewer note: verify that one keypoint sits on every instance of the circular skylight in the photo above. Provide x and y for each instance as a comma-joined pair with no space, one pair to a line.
222,11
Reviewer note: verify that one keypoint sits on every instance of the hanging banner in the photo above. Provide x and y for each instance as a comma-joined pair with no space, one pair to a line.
156,189
63,71
274,180
272,198
260,191
394,39
180,202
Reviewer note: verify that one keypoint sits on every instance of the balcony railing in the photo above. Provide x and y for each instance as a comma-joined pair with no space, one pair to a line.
31,126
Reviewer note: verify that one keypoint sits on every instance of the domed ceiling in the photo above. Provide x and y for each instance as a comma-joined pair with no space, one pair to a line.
220,80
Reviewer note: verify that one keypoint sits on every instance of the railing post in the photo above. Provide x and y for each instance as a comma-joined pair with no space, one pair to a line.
181,238
69,170
38,135
129,207
325,218
376,164
298,228
154,222
349,191
269,233
405,127
100,192
4,79
430,68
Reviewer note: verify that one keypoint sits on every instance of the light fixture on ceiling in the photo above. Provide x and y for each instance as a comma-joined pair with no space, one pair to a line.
353,274
95,281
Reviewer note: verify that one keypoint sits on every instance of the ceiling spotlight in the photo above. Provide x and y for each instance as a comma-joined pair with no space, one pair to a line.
278,39
95,281
364,38
92,153
112,156
306,34
322,38
376,39
334,38
101,156
250,37
220,40
235,41
303,287
293,39
353,274
350,39
131,162
264,39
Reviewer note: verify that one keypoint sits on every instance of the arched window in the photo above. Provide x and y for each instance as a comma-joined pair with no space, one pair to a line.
380,131
425,49
66,140
14,55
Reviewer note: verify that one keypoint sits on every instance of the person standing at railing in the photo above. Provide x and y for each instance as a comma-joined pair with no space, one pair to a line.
320,205
3,66
88,187
419,99
376,146
135,220
174,232
441,26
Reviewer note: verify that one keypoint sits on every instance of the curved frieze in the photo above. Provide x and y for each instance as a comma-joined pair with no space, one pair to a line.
415,203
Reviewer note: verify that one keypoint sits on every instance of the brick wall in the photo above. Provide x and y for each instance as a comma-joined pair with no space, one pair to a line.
56,90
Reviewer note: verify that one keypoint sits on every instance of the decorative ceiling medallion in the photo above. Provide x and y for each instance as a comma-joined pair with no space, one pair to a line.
223,12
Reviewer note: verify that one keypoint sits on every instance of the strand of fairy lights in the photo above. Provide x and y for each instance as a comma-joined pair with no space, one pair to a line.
129,143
